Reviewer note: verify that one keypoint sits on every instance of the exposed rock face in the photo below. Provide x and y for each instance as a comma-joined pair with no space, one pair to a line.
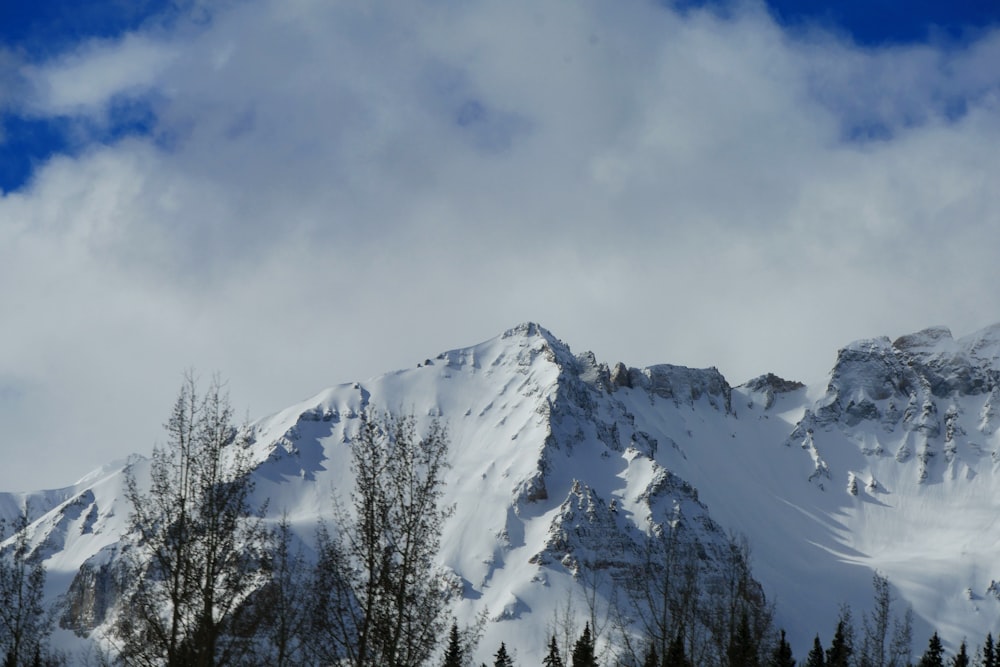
681,384
901,383
948,366
770,386
586,531
925,391
620,376
590,535
93,593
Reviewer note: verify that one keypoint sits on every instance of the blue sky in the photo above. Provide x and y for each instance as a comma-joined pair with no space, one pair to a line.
298,193
39,31
882,22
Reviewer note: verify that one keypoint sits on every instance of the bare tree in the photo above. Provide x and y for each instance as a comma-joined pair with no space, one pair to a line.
280,603
25,621
878,649
694,602
382,601
596,581
876,624
655,591
564,625
901,648
196,550
740,617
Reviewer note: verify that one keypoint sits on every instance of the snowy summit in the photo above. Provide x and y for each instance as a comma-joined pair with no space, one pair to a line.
562,467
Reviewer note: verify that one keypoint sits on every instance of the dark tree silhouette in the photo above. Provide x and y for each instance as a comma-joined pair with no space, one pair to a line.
815,657
281,604
25,622
934,655
196,548
961,658
583,651
552,658
502,659
453,654
377,593
842,647
782,654
676,657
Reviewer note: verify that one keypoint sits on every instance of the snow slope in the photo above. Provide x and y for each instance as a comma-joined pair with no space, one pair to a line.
557,458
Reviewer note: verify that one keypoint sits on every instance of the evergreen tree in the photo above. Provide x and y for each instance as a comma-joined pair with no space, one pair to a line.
502,659
782,655
583,651
675,653
989,652
651,659
815,657
934,656
552,658
961,659
742,651
842,647
453,654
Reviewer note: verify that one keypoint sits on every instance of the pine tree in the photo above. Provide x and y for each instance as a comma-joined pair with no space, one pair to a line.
453,654
842,647
583,651
815,657
676,657
782,655
961,659
552,658
742,651
502,659
934,656
652,659
989,652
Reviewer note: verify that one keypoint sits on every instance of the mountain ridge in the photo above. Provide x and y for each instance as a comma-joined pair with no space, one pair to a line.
558,458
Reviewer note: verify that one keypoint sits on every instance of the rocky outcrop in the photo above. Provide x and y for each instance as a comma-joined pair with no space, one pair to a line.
586,532
93,593
770,386
681,384
901,383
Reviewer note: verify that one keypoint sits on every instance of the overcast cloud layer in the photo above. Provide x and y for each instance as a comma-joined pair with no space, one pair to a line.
329,191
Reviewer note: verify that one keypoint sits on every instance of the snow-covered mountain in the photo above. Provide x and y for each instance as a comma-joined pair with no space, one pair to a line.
558,459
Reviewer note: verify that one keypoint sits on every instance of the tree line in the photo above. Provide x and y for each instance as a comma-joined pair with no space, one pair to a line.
214,586
203,580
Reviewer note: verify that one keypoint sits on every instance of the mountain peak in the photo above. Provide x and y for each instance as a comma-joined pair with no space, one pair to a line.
931,338
559,463
528,330
531,331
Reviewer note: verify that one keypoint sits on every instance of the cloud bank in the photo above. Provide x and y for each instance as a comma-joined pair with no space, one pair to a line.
322,192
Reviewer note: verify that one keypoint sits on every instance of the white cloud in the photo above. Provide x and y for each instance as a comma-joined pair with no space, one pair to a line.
333,191
86,81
